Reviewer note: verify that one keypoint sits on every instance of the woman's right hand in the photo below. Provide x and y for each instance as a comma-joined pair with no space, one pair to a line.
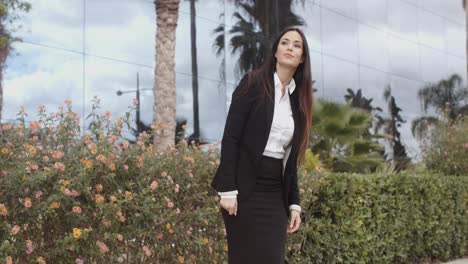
229,204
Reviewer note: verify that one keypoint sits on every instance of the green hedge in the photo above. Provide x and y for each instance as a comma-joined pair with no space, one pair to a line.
352,218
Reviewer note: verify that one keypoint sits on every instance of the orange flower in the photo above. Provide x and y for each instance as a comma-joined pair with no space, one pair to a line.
181,259
27,202
4,151
68,102
54,205
99,187
6,127
3,210
34,126
205,241
99,198
112,166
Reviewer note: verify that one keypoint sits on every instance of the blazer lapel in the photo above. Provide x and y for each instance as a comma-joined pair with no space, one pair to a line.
269,110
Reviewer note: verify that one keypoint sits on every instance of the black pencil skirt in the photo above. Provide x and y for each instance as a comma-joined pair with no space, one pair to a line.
257,234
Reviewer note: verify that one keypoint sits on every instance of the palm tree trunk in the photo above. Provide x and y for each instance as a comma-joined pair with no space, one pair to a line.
164,109
193,34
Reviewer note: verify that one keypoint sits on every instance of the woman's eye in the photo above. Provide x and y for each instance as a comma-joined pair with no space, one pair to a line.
298,46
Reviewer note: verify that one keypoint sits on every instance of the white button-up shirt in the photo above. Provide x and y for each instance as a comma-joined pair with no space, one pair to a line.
282,128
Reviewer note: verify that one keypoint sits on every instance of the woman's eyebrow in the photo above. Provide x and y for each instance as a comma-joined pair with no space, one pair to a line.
294,41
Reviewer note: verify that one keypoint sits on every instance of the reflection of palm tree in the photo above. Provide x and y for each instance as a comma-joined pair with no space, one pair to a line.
390,126
252,35
359,101
193,33
447,93
164,109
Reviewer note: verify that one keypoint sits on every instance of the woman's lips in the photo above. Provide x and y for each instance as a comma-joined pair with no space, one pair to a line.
288,55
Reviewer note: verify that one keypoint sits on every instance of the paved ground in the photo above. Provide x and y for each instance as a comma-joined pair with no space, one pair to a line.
458,261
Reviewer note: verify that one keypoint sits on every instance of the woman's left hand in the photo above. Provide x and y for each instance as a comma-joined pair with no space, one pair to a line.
294,221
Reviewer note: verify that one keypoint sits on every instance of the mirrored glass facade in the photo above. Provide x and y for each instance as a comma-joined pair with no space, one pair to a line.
78,49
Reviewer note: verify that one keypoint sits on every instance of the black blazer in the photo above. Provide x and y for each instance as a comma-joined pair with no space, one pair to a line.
244,139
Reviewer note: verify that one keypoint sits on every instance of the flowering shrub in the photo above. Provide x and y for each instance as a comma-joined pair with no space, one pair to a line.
447,148
92,198
72,198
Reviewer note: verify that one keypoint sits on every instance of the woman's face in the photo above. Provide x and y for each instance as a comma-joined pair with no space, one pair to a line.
289,51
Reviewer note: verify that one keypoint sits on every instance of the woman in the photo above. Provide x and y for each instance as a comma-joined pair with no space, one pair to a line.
265,135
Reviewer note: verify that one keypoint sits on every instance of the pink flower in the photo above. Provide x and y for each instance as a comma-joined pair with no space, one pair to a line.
177,188
119,237
125,167
15,230
68,102
59,166
102,247
125,144
79,260
147,251
177,211
164,174
38,194
154,185
170,204
45,158
29,247
465,145
76,209
8,260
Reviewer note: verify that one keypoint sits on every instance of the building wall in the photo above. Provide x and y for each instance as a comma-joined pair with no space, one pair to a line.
79,49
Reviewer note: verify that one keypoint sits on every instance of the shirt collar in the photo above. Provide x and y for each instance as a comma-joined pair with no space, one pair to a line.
291,86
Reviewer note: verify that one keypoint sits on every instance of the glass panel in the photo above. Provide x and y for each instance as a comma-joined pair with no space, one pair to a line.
402,19
373,84
339,36
205,10
373,12
344,7
54,23
457,65
121,30
41,76
433,64
373,50
311,14
431,30
338,76
104,78
404,58
208,62
456,39
451,10
317,73
405,92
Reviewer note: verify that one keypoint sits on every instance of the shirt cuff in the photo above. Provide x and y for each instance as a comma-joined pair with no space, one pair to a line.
230,194
295,207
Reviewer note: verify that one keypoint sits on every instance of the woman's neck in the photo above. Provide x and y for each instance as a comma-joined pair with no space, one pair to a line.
285,74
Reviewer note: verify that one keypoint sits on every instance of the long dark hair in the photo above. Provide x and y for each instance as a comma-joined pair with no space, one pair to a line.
303,78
